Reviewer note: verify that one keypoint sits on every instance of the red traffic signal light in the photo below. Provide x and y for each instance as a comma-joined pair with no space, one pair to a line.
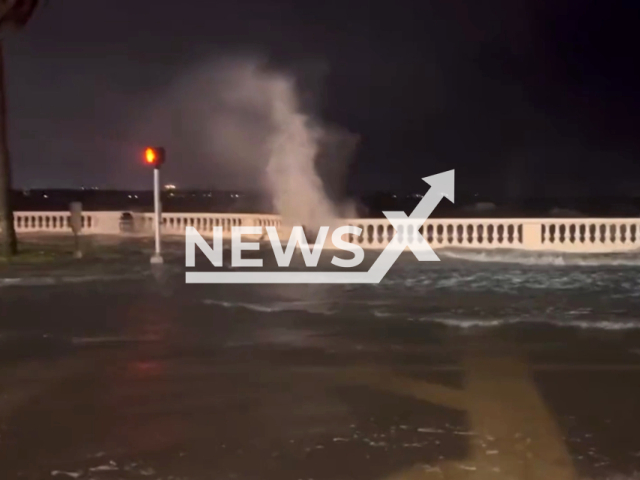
154,156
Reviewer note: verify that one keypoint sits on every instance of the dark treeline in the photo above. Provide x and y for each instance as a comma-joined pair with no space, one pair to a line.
371,205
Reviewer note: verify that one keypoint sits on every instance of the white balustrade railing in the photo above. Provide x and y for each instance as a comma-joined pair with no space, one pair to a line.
596,235
92,222
590,234
176,223
483,233
137,223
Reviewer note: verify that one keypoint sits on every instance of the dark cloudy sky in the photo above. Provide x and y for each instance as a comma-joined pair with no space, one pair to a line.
521,97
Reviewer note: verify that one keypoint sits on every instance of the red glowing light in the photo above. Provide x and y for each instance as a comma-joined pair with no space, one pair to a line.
150,155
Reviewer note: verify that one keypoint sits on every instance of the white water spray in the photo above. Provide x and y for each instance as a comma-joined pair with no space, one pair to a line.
293,145
243,125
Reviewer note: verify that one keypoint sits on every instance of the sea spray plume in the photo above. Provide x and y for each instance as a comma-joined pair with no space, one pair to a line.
293,146
241,124
293,142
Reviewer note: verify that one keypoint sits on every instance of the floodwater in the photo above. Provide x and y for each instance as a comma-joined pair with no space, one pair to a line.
479,366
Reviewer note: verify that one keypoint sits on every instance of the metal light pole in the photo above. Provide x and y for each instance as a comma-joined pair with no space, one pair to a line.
157,256
156,157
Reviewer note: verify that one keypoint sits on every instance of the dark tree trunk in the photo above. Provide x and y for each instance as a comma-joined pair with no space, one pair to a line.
8,241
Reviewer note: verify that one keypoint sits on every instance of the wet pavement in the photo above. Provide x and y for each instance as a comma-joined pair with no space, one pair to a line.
112,370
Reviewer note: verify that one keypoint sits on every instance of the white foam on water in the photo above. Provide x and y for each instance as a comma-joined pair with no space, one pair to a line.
430,430
577,318
249,306
544,258
108,467
580,311
69,474
613,325
617,282
382,314
115,339
34,281
27,281
275,307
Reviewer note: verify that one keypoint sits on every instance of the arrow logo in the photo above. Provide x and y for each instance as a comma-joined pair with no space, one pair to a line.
406,235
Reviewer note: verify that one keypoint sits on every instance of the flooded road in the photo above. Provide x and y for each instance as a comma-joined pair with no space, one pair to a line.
464,368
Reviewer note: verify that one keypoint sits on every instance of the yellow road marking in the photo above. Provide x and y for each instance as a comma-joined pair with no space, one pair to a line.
513,434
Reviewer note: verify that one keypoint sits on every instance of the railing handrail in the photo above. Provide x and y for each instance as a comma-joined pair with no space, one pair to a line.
361,219
587,235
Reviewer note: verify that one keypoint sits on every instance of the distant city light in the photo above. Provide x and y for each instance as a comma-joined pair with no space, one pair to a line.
169,187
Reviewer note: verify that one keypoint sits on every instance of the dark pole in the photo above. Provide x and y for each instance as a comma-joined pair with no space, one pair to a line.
8,240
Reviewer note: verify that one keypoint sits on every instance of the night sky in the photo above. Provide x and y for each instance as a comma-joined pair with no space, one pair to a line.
523,98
